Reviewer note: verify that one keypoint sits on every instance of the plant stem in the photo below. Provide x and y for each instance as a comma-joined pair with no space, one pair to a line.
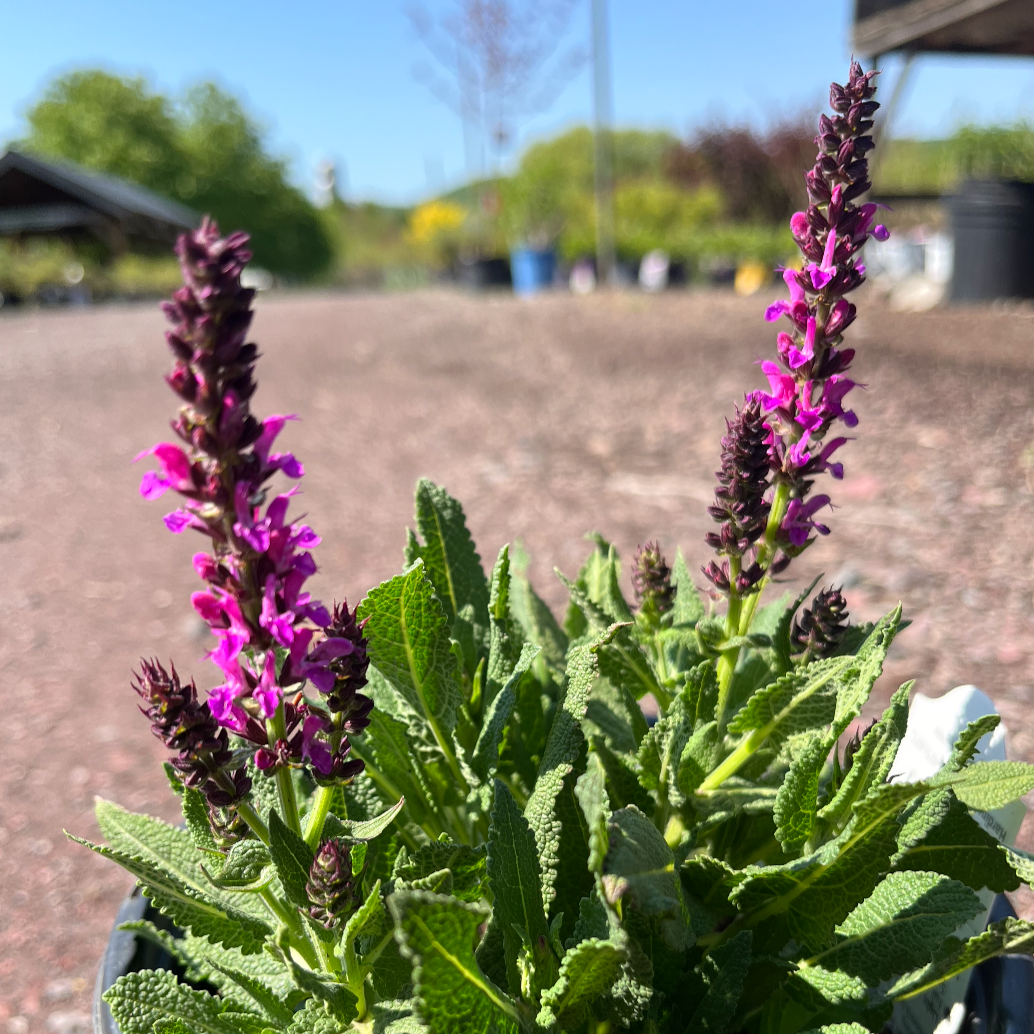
732,764
254,821
290,919
354,978
276,729
318,815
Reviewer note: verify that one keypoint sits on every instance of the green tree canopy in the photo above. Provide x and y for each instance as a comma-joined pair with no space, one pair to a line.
205,152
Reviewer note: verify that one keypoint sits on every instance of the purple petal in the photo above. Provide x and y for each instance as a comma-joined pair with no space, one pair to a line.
775,310
153,485
880,232
179,520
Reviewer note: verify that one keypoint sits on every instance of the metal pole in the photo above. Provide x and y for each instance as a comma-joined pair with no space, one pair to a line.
603,180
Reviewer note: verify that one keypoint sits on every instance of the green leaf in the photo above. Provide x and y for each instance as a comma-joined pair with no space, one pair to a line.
723,970
588,972
701,693
614,715
537,621
986,785
874,758
410,645
689,607
640,868
797,800
340,1002
195,815
396,1017
623,786
505,640
966,745
840,1028
822,693
370,829
955,845
562,750
485,759
172,1026
514,877
660,753
247,868
365,919
452,994
271,1004
780,650
140,1000
467,865
450,558
1006,937
599,579
165,862
292,858
591,791
897,928
312,1018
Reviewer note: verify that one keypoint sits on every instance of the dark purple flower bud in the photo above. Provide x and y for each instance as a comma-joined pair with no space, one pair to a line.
186,726
852,745
651,580
838,98
333,889
717,575
820,628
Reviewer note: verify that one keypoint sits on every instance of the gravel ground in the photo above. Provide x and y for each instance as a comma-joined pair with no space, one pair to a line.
547,419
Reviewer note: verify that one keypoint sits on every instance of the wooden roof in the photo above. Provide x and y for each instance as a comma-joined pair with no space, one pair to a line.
946,26
40,196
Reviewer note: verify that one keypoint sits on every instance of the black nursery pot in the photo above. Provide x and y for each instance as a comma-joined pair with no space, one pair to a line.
1000,999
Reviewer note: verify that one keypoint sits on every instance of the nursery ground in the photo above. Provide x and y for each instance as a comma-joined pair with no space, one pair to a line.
547,419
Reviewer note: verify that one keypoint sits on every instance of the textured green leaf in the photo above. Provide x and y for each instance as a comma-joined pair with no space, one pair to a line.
600,578
723,970
292,857
165,862
689,607
313,1018
386,748
505,638
486,752
172,1026
966,745
450,558
830,691
623,786
591,791
986,785
797,800
562,750
588,972
1006,937
452,994
139,1000
874,758
268,1001
537,621
195,816
396,1017
614,716
840,1028
370,829
701,694
340,1002
660,753
640,868
897,928
514,876
367,918
246,870
410,645
467,865
954,844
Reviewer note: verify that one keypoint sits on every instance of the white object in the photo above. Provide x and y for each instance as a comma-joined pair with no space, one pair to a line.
933,727
654,270
583,277
256,278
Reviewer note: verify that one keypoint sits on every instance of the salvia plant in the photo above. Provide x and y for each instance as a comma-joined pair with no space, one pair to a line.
445,811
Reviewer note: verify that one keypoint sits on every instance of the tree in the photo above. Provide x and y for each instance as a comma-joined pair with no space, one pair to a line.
205,152
497,61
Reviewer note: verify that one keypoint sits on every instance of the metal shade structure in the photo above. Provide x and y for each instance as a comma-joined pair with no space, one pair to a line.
45,197
944,26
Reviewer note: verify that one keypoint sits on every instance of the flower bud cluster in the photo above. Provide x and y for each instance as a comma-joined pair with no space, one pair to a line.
651,580
740,507
820,629
271,635
203,757
332,887
809,384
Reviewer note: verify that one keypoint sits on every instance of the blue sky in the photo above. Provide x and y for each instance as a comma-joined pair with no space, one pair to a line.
336,79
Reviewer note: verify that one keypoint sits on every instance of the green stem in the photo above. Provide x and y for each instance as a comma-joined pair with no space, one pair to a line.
735,761
290,919
318,815
254,821
354,978
276,729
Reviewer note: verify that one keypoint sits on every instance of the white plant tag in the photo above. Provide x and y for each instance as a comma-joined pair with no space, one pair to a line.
933,727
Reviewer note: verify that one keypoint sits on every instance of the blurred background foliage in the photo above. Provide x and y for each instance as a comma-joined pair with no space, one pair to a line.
718,198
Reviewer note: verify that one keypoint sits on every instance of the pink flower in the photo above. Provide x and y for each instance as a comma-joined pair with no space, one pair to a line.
784,388
282,461
314,750
179,520
826,270
175,471
267,692
798,523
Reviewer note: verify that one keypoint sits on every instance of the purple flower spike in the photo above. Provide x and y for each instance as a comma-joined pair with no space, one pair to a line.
255,602
809,383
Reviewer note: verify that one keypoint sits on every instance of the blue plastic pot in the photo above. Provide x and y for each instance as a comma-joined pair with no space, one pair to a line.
532,270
